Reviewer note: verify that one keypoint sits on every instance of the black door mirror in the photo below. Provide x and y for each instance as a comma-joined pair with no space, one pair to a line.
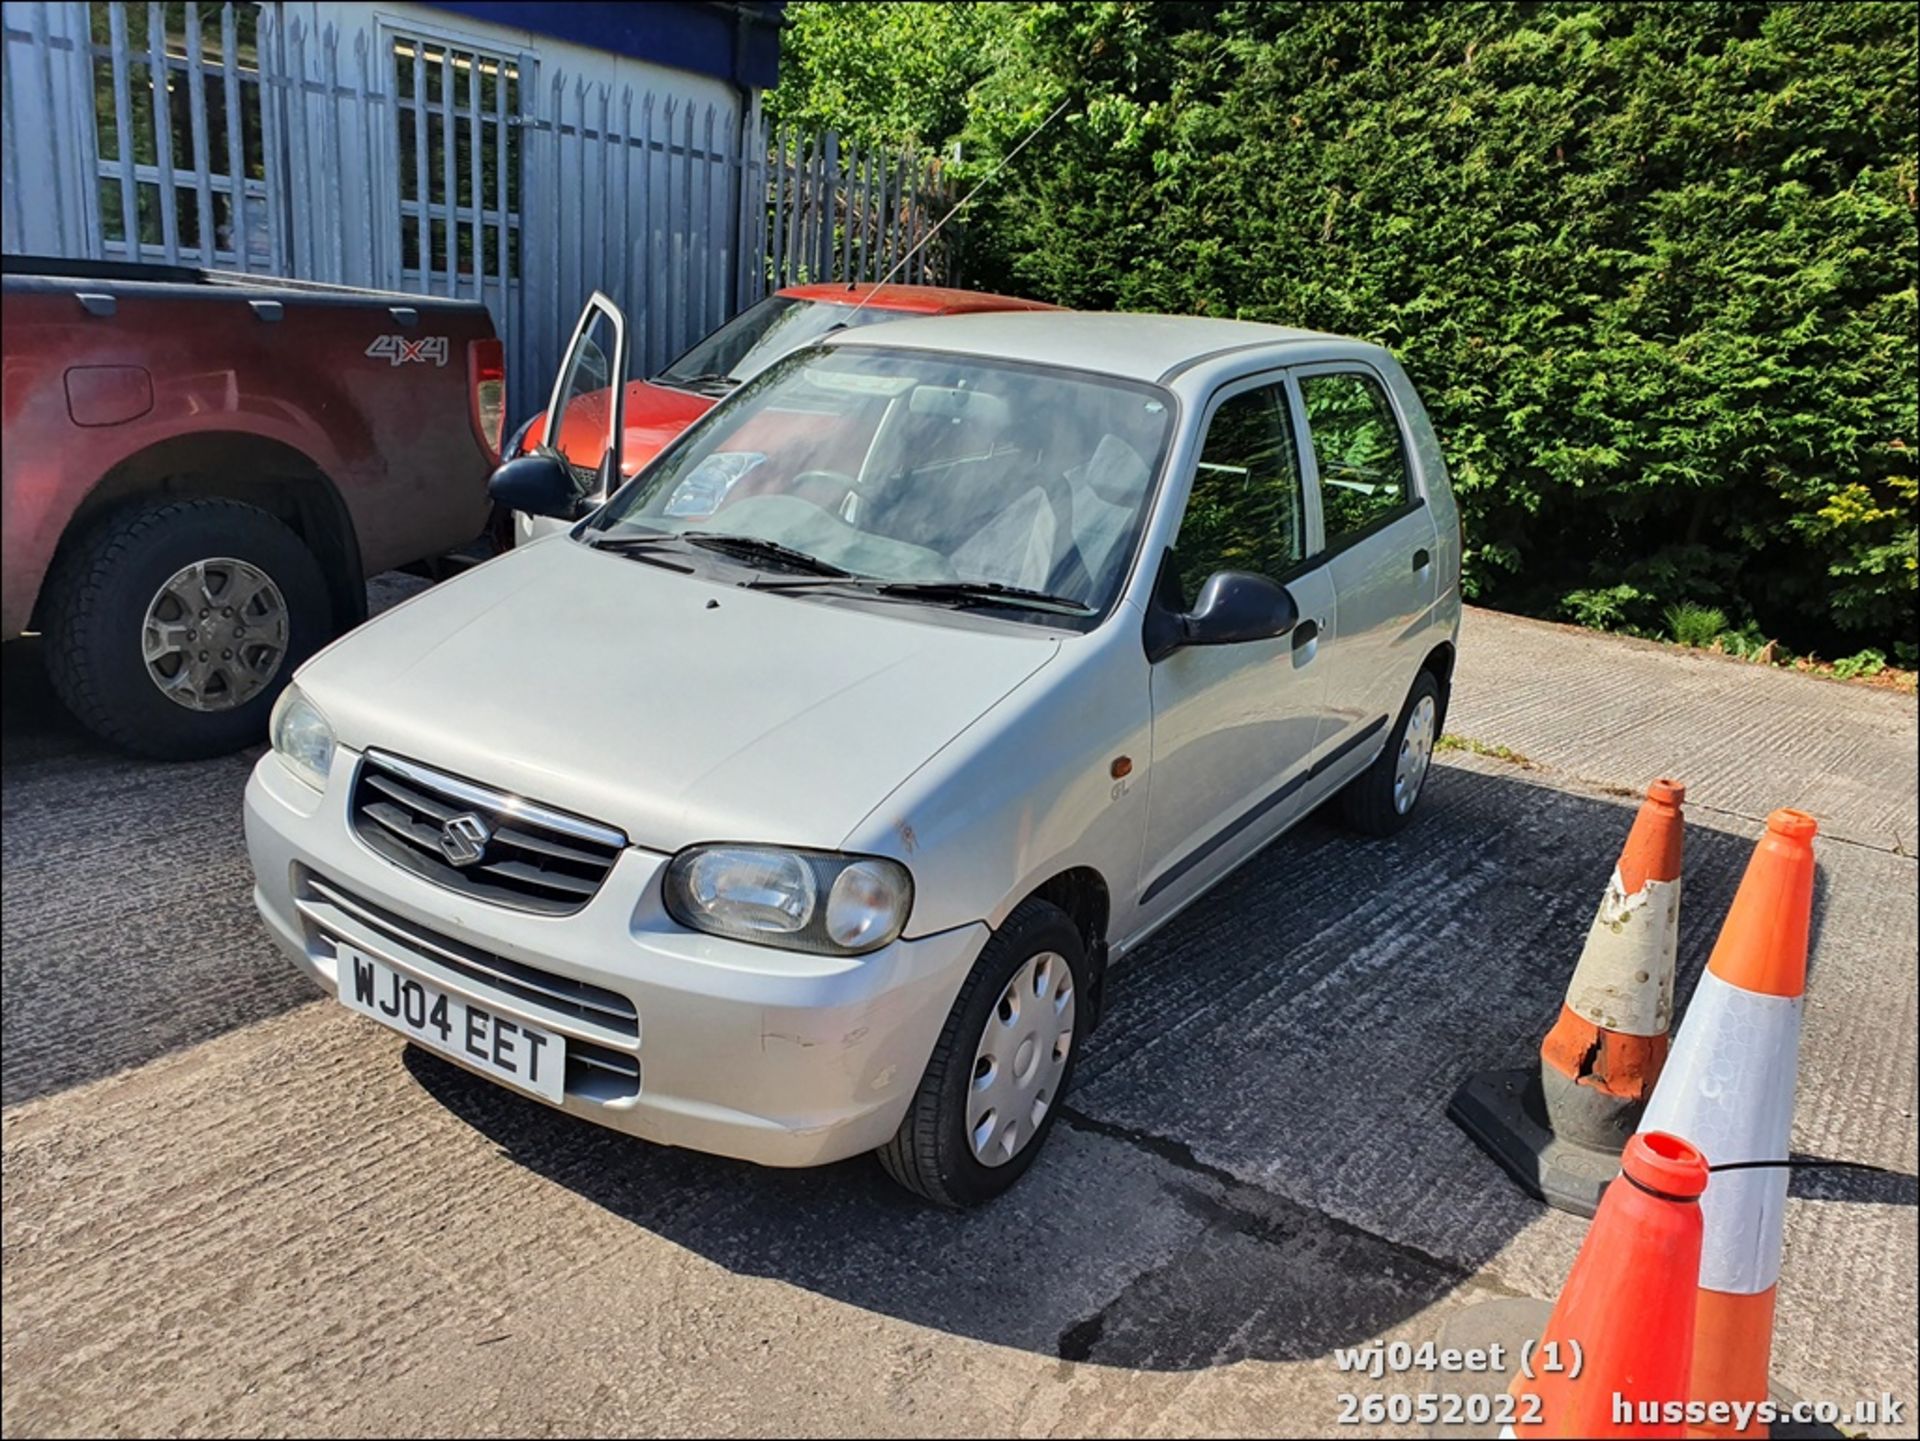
1234,606
1237,605
536,484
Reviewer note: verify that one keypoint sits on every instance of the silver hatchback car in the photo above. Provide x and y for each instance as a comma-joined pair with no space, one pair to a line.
798,798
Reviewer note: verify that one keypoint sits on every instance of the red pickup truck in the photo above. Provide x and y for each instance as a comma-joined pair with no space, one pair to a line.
201,469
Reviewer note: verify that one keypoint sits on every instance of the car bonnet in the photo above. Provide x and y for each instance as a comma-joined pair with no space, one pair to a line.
675,707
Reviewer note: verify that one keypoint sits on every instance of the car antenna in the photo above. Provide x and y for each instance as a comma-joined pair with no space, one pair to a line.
959,205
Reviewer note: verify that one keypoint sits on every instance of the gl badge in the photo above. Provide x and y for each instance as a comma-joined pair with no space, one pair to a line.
463,838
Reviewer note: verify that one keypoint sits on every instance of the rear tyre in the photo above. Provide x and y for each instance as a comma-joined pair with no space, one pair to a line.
1381,799
172,626
1001,1067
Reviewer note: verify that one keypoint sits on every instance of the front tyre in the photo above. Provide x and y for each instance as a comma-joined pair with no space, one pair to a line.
172,626
1001,1067
1380,800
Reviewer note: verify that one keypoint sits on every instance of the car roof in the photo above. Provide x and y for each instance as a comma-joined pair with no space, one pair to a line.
1139,347
914,299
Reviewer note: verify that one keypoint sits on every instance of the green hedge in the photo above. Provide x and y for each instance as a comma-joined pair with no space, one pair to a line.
1653,266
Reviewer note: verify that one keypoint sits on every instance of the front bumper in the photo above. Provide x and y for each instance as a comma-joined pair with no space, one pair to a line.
770,1056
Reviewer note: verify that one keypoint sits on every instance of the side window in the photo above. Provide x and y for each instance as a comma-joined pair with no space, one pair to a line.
1245,512
1356,440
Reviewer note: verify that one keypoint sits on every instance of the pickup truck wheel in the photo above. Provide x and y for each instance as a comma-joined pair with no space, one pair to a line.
1001,1067
172,626
1380,800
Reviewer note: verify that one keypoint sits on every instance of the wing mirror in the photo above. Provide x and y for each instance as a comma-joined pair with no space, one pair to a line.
1237,605
1234,606
537,484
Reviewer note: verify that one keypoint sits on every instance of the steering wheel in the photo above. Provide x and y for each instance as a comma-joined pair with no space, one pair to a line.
827,489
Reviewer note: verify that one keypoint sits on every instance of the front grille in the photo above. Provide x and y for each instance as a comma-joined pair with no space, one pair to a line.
599,1070
536,859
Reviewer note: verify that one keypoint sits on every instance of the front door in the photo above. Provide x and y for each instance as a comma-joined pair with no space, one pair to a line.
1234,726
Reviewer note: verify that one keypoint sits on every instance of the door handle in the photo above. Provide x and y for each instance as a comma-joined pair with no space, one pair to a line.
1305,633
1421,560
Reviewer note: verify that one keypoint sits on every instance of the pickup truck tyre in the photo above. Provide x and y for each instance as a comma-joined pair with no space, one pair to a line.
140,646
1001,1067
1381,799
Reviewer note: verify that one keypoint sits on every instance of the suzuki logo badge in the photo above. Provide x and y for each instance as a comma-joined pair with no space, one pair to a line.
463,838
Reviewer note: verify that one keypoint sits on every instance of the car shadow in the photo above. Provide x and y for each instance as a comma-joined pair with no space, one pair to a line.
1255,1161
37,727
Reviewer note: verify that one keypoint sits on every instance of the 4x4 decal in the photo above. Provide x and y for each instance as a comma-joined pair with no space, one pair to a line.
398,350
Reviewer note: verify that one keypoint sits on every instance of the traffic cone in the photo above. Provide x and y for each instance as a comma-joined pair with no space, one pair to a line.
1558,1127
1728,1089
1621,1335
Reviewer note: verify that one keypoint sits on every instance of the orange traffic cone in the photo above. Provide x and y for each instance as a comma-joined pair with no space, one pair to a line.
1615,1356
1728,1089
1558,1128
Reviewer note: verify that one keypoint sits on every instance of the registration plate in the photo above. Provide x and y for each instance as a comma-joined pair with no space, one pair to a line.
511,1051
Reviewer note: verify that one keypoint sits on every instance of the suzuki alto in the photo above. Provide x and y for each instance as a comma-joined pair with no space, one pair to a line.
799,800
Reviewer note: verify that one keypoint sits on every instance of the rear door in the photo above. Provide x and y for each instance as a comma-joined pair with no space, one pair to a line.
1380,546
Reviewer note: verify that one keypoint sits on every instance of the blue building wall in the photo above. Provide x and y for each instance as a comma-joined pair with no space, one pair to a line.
736,42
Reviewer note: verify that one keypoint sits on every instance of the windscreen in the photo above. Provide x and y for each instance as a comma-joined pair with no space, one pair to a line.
915,466
760,335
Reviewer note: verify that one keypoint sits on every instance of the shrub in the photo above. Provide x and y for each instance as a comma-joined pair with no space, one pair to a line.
1863,663
1652,266
1748,643
1600,609
1697,625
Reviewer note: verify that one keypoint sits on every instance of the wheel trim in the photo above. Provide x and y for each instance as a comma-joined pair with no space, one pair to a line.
1416,754
1021,1059
215,634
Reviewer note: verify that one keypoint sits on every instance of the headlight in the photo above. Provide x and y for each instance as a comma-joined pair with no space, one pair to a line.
301,737
797,900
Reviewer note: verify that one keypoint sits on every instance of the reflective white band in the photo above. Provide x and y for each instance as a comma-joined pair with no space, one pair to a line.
1624,981
1728,1088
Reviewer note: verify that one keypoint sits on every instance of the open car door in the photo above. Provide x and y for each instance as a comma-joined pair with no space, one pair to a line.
585,419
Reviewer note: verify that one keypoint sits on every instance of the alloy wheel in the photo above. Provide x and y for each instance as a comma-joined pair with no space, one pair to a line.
215,634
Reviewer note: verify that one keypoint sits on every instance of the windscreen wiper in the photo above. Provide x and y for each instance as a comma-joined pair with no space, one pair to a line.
639,547
752,547
633,540
951,592
688,382
745,547
986,592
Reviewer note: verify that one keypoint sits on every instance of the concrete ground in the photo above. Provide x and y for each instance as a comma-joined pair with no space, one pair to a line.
230,1206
